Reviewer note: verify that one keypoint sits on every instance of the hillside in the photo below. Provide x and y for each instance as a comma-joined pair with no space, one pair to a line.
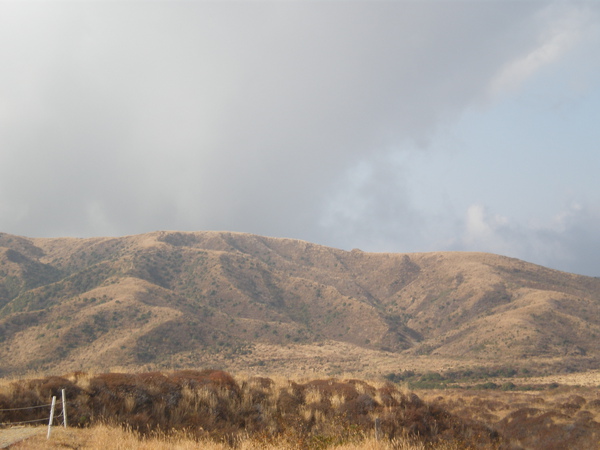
240,301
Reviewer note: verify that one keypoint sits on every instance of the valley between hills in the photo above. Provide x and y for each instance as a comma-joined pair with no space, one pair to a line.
247,303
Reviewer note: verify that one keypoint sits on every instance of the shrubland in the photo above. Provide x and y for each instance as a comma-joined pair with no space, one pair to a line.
214,406
214,409
240,302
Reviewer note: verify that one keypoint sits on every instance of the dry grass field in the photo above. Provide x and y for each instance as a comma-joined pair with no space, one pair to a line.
188,407
213,409
465,349
101,437
549,419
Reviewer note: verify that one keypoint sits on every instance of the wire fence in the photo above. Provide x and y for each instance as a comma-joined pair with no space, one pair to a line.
23,422
31,408
25,407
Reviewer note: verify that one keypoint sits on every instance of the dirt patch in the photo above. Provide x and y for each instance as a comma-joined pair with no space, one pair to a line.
10,436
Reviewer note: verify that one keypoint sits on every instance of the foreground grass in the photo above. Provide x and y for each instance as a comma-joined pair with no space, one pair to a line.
101,437
215,410
203,406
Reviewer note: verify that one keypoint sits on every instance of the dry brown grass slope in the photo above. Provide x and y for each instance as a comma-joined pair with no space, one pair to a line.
240,301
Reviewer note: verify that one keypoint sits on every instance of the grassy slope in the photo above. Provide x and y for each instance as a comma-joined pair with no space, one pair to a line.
240,301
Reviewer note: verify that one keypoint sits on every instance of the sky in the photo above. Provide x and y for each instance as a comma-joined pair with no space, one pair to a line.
389,126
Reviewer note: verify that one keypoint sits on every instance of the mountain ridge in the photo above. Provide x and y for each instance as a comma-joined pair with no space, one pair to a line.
187,298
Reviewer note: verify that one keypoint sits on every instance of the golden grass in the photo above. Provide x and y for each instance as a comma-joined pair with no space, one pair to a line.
262,413
180,409
438,295
102,437
492,406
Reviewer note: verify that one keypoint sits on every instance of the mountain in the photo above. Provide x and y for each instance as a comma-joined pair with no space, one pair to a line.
246,302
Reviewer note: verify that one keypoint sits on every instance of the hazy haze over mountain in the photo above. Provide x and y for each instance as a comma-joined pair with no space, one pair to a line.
389,126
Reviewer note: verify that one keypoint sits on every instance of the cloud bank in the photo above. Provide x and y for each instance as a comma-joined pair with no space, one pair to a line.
277,118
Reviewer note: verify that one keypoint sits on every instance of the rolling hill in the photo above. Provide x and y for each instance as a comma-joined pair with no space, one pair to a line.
244,302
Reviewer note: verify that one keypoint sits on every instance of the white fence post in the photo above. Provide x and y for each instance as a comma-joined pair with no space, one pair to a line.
377,429
64,408
51,416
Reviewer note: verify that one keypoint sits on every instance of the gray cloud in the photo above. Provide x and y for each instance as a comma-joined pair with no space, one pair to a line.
570,242
119,118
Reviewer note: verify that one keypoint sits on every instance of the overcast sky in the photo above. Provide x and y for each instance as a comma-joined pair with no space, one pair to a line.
386,126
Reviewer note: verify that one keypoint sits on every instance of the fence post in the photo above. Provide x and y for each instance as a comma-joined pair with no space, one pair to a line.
377,429
51,416
64,408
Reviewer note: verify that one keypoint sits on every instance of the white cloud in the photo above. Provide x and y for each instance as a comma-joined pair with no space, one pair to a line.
277,118
480,226
571,242
561,26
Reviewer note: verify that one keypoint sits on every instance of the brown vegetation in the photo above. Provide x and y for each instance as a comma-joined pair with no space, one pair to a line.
213,405
169,300
101,437
558,418
219,410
